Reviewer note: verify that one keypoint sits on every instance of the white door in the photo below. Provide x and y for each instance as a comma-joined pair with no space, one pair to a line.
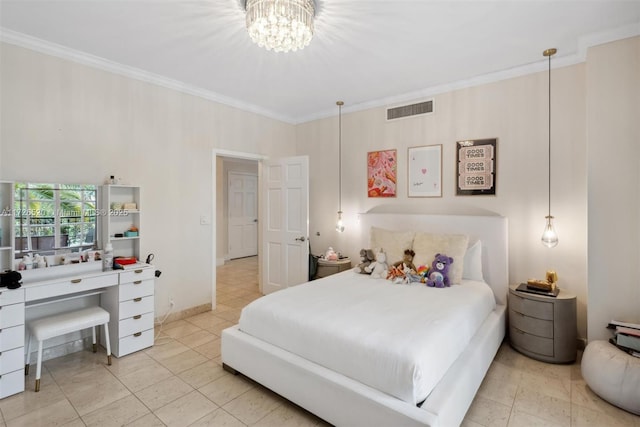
285,223
242,202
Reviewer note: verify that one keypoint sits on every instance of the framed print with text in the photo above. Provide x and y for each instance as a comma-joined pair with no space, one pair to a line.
476,161
424,171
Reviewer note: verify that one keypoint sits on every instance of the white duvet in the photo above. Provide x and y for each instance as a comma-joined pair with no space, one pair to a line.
399,339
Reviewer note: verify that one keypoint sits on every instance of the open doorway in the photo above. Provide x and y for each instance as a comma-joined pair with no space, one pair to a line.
238,164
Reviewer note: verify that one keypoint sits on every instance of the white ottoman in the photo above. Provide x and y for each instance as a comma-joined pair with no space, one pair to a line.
612,374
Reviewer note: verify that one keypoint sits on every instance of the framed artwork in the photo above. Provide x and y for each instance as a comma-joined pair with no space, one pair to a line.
381,173
476,161
425,171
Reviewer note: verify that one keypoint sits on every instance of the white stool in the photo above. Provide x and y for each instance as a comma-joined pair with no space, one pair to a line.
612,374
60,324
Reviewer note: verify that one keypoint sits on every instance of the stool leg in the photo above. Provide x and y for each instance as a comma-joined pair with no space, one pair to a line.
27,356
39,366
93,332
106,340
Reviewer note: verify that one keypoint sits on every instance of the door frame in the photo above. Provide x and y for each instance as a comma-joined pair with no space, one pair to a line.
214,220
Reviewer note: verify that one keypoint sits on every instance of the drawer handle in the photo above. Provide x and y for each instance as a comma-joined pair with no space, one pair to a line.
76,280
137,316
138,271
137,282
137,299
137,334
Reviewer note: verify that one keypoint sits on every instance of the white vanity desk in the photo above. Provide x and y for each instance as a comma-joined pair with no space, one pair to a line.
126,294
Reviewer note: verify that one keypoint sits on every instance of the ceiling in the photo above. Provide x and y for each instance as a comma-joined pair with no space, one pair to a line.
367,53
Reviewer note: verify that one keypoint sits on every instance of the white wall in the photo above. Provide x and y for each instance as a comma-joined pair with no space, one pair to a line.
66,122
514,111
613,129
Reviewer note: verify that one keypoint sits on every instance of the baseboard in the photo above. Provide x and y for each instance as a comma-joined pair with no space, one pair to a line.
581,343
220,261
183,314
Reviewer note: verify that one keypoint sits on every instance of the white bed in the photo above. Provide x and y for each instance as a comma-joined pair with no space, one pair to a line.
347,393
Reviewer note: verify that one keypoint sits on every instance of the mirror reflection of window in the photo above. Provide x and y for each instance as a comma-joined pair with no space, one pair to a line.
54,217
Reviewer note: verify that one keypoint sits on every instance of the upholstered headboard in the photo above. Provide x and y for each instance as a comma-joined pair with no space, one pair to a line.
492,231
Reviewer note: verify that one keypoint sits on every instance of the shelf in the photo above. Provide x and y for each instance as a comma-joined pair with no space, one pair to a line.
123,212
113,239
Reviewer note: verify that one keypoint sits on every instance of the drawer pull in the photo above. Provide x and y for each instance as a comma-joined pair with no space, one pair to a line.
138,271
137,282
137,334
137,316
137,299
76,280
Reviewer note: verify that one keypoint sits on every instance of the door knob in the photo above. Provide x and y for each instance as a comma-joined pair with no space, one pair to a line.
300,239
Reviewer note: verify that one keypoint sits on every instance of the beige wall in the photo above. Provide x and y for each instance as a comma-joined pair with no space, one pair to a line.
613,129
66,122
515,111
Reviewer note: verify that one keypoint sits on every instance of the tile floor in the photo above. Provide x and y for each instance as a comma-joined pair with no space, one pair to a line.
180,382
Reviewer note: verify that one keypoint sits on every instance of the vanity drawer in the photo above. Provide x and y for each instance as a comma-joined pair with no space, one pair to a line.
135,289
531,325
12,382
11,315
138,274
531,308
140,305
135,342
70,286
12,360
532,343
11,296
138,323
11,338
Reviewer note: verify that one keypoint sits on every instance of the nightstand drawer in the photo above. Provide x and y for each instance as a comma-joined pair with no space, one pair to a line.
531,325
532,343
530,307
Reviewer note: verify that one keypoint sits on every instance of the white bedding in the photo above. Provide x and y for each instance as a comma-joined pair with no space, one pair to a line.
399,339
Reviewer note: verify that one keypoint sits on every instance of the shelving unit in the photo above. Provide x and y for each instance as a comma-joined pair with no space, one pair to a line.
119,220
6,225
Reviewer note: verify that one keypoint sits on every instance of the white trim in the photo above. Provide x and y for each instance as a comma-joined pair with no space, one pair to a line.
49,48
59,51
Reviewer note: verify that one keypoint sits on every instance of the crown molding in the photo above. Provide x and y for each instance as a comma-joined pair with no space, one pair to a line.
53,49
59,51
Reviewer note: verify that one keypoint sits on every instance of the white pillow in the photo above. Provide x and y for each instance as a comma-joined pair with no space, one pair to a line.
427,245
472,268
393,243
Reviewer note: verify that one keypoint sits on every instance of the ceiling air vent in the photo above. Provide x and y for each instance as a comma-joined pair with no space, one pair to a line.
404,111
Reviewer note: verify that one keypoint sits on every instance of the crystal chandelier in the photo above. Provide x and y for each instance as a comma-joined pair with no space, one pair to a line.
280,25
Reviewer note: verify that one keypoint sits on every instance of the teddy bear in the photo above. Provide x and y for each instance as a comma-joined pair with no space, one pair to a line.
407,261
379,268
439,273
366,258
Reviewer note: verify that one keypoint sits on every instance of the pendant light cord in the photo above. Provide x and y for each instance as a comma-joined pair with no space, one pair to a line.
340,103
549,156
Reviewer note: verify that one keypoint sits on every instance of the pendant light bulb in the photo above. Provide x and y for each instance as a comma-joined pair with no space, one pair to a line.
339,223
549,236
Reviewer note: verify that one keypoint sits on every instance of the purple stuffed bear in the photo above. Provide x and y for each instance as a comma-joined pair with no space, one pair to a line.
439,274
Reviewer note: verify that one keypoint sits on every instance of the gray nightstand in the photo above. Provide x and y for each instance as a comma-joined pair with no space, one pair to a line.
327,268
544,328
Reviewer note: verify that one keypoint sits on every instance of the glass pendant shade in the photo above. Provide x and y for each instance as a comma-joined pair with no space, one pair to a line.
339,223
280,25
549,236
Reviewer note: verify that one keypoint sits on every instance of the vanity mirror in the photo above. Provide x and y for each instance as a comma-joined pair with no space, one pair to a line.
51,219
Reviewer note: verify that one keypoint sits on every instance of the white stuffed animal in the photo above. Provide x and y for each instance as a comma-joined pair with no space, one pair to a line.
379,269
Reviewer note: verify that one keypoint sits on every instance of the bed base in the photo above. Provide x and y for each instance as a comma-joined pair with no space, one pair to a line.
344,402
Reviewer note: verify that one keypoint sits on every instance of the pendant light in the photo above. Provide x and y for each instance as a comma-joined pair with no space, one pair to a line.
339,223
549,236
